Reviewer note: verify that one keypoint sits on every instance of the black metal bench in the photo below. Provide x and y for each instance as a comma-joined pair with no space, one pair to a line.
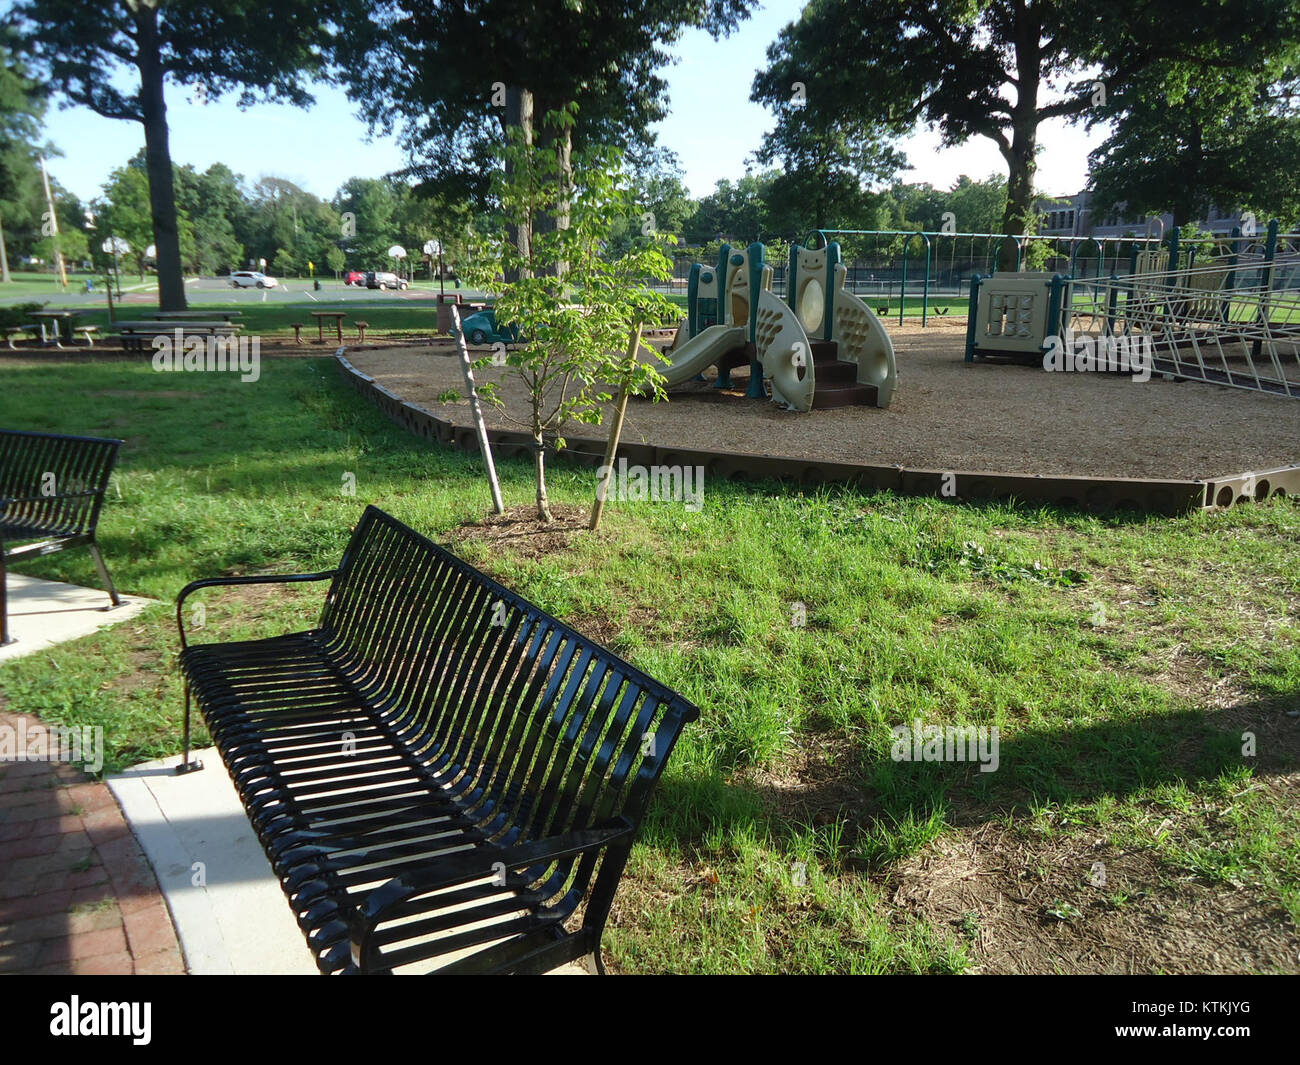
441,774
51,489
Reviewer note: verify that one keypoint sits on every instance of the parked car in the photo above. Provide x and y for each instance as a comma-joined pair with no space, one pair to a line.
481,328
383,279
252,279
354,277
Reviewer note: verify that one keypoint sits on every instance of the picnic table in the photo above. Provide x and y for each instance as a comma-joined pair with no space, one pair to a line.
228,316
154,325
56,320
132,333
320,317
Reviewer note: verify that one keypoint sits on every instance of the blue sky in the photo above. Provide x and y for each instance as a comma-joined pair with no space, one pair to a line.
712,127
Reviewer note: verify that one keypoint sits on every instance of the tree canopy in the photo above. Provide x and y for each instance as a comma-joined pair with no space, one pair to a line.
437,71
998,69
85,48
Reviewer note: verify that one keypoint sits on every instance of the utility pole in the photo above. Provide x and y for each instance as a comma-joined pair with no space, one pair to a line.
54,227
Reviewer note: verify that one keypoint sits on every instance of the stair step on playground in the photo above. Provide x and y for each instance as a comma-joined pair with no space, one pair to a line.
825,351
836,373
843,395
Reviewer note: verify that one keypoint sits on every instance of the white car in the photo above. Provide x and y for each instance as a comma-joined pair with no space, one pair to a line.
252,279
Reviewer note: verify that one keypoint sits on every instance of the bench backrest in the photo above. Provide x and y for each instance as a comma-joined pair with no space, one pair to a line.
60,480
536,728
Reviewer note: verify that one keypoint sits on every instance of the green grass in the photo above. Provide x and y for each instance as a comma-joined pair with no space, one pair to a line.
33,286
386,312
1101,650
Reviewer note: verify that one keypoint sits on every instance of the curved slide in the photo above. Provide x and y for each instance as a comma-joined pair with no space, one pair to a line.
696,355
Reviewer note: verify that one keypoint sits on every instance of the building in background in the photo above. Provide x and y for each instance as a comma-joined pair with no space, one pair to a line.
1071,216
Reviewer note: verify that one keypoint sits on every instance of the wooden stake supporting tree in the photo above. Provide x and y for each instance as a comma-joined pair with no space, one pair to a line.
606,472
480,426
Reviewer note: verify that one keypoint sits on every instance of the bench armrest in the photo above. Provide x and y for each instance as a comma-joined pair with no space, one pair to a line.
218,582
461,867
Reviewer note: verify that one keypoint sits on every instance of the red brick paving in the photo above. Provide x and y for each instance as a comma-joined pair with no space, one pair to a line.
77,894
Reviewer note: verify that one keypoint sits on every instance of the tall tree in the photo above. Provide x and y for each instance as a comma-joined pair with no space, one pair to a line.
829,162
369,206
21,110
262,50
123,213
999,69
215,204
1230,140
472,68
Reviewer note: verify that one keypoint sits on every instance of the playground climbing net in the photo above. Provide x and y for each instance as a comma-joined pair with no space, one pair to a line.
1223,322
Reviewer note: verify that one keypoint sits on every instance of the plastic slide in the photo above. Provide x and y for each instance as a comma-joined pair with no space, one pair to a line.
696,355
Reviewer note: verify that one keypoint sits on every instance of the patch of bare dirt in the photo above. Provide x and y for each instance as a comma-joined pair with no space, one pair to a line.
522,532
1076,905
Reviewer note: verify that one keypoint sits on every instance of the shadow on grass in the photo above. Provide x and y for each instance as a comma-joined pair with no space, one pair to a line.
888,808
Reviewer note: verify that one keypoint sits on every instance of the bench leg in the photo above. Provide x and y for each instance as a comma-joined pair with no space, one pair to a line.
593,963
188,765
5,638
104,578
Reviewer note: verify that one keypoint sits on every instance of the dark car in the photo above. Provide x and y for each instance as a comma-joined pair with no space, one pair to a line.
383,279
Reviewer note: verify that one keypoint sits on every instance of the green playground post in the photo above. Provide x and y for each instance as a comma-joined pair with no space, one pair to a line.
757,260
828,316
975,280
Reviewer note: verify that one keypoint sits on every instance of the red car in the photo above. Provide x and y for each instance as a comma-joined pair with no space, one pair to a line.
354,277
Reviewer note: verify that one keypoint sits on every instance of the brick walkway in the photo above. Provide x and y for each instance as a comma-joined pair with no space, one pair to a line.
76,892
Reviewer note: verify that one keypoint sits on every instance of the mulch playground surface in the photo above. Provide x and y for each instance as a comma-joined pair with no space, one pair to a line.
946,415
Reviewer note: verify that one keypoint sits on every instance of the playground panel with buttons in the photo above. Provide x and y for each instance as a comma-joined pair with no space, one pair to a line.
1012,313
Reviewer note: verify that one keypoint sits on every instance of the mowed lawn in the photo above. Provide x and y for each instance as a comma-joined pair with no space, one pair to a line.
1143,675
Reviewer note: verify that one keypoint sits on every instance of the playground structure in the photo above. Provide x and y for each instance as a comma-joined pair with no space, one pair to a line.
820,348
915,266
817,342
1230,318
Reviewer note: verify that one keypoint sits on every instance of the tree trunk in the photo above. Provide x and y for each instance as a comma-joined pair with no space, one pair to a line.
158,162
1020,154
560,142
519,113
4,257
543,504
1019,214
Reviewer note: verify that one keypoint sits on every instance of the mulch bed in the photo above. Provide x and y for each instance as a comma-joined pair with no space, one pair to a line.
946,415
